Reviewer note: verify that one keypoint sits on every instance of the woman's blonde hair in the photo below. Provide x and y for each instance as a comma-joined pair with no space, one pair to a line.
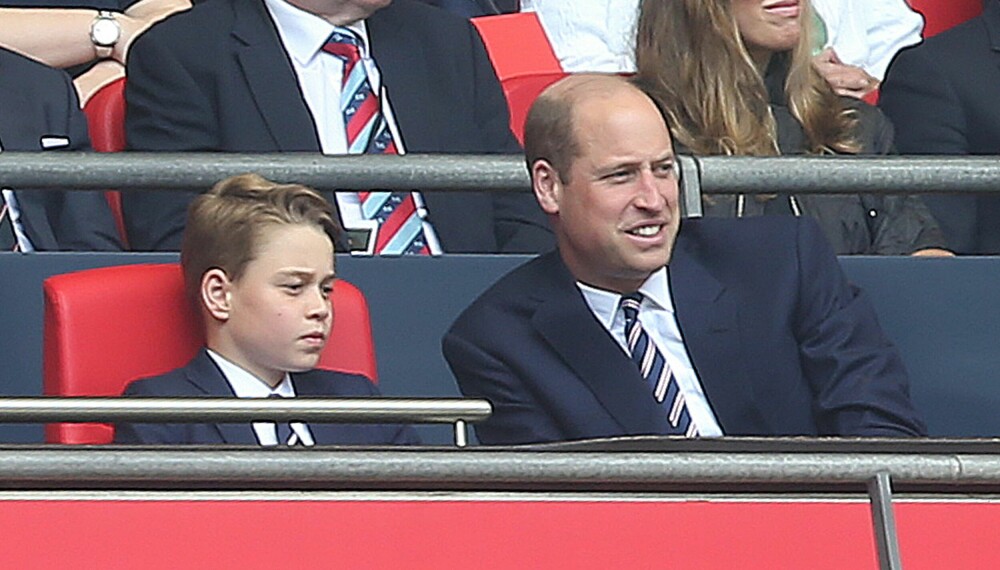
692,60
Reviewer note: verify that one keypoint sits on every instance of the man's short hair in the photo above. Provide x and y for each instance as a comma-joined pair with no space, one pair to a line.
224,225
548,133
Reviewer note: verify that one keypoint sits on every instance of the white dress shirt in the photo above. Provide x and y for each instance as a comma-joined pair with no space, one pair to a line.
589,35
246,385
10,200
656,315
868,33
320,76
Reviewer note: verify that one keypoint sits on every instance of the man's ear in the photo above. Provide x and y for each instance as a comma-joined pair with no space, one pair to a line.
547,186
216,295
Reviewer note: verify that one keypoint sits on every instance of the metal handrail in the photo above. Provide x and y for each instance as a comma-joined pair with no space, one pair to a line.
456,411
712,175
488,469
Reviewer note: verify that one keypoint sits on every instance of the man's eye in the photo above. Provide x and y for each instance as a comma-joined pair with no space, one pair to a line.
327,290
292,287
619,176
665,169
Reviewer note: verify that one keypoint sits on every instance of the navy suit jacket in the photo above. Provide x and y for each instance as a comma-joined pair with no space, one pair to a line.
35,102
202,378
217,78
942,95
782,343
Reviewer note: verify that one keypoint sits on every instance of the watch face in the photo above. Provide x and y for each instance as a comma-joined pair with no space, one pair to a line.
105,32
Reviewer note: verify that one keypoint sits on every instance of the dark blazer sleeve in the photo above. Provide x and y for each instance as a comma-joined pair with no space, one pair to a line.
152,434
859,383
518,417
168,109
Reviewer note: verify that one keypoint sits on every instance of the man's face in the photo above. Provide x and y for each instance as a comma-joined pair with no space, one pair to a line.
616,217
341,12
280,313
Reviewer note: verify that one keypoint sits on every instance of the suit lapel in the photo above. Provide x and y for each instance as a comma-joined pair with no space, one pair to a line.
206,377
566,322
708,317
271,79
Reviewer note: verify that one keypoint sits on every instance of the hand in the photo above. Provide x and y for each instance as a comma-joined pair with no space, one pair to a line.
932,252
846,80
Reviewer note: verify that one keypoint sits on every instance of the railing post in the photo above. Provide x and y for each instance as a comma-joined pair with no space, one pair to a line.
884,522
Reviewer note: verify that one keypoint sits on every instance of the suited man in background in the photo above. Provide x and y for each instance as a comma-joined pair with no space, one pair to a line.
942,96
39,112
642,324
254,76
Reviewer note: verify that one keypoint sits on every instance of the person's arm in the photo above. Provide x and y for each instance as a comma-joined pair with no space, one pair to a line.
481,372
61,37
857,376
169,109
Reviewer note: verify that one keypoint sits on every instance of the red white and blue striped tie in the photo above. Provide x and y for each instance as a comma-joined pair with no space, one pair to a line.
654,369
401,229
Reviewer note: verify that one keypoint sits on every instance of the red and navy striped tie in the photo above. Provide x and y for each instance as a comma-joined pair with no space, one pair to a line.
401,229
654,369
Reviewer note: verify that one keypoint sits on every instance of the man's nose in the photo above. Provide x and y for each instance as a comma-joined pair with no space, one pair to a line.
651,191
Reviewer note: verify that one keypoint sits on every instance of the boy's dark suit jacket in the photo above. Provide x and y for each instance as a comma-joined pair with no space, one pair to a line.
217,78
202,378
942,96
783,345
39,102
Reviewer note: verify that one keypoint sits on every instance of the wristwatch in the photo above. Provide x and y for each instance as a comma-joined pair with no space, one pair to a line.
104,33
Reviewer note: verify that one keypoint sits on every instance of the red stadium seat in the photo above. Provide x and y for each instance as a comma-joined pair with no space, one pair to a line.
105,327
105,112
939,15
523,59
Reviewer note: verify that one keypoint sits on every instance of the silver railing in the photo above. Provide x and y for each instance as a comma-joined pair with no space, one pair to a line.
456,411
707,175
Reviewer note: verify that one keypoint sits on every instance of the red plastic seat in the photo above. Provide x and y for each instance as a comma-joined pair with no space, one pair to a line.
523,59
105,112
939,15
106,327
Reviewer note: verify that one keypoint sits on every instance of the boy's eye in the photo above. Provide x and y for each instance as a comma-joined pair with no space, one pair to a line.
292,287
327,290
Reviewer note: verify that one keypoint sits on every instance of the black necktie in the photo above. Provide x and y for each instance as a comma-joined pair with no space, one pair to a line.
283,429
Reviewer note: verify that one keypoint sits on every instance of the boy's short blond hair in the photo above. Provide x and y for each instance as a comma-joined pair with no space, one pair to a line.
225,224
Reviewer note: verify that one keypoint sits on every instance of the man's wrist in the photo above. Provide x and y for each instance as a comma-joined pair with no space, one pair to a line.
105,32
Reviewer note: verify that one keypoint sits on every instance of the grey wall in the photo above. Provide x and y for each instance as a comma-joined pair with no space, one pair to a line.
943,314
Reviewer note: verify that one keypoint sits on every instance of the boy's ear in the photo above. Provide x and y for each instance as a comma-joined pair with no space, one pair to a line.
547,186
216,293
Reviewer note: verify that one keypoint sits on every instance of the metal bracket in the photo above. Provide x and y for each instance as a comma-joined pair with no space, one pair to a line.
690,186
884,522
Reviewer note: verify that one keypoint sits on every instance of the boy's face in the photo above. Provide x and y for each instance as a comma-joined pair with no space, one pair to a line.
280,314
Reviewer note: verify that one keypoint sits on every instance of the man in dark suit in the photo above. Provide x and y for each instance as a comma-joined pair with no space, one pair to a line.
251,76
753,327
39,112
942,96
258,263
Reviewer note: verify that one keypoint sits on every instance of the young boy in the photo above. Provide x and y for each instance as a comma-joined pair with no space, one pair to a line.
258,264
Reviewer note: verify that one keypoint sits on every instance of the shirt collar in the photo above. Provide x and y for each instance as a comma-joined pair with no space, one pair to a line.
604,304
303,34
246,385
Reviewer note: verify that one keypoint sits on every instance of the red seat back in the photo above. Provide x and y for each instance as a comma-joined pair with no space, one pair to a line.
105,112
939,15
106,327
523,59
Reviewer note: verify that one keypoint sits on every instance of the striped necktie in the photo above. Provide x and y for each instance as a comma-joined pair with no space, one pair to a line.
654,369
401,230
